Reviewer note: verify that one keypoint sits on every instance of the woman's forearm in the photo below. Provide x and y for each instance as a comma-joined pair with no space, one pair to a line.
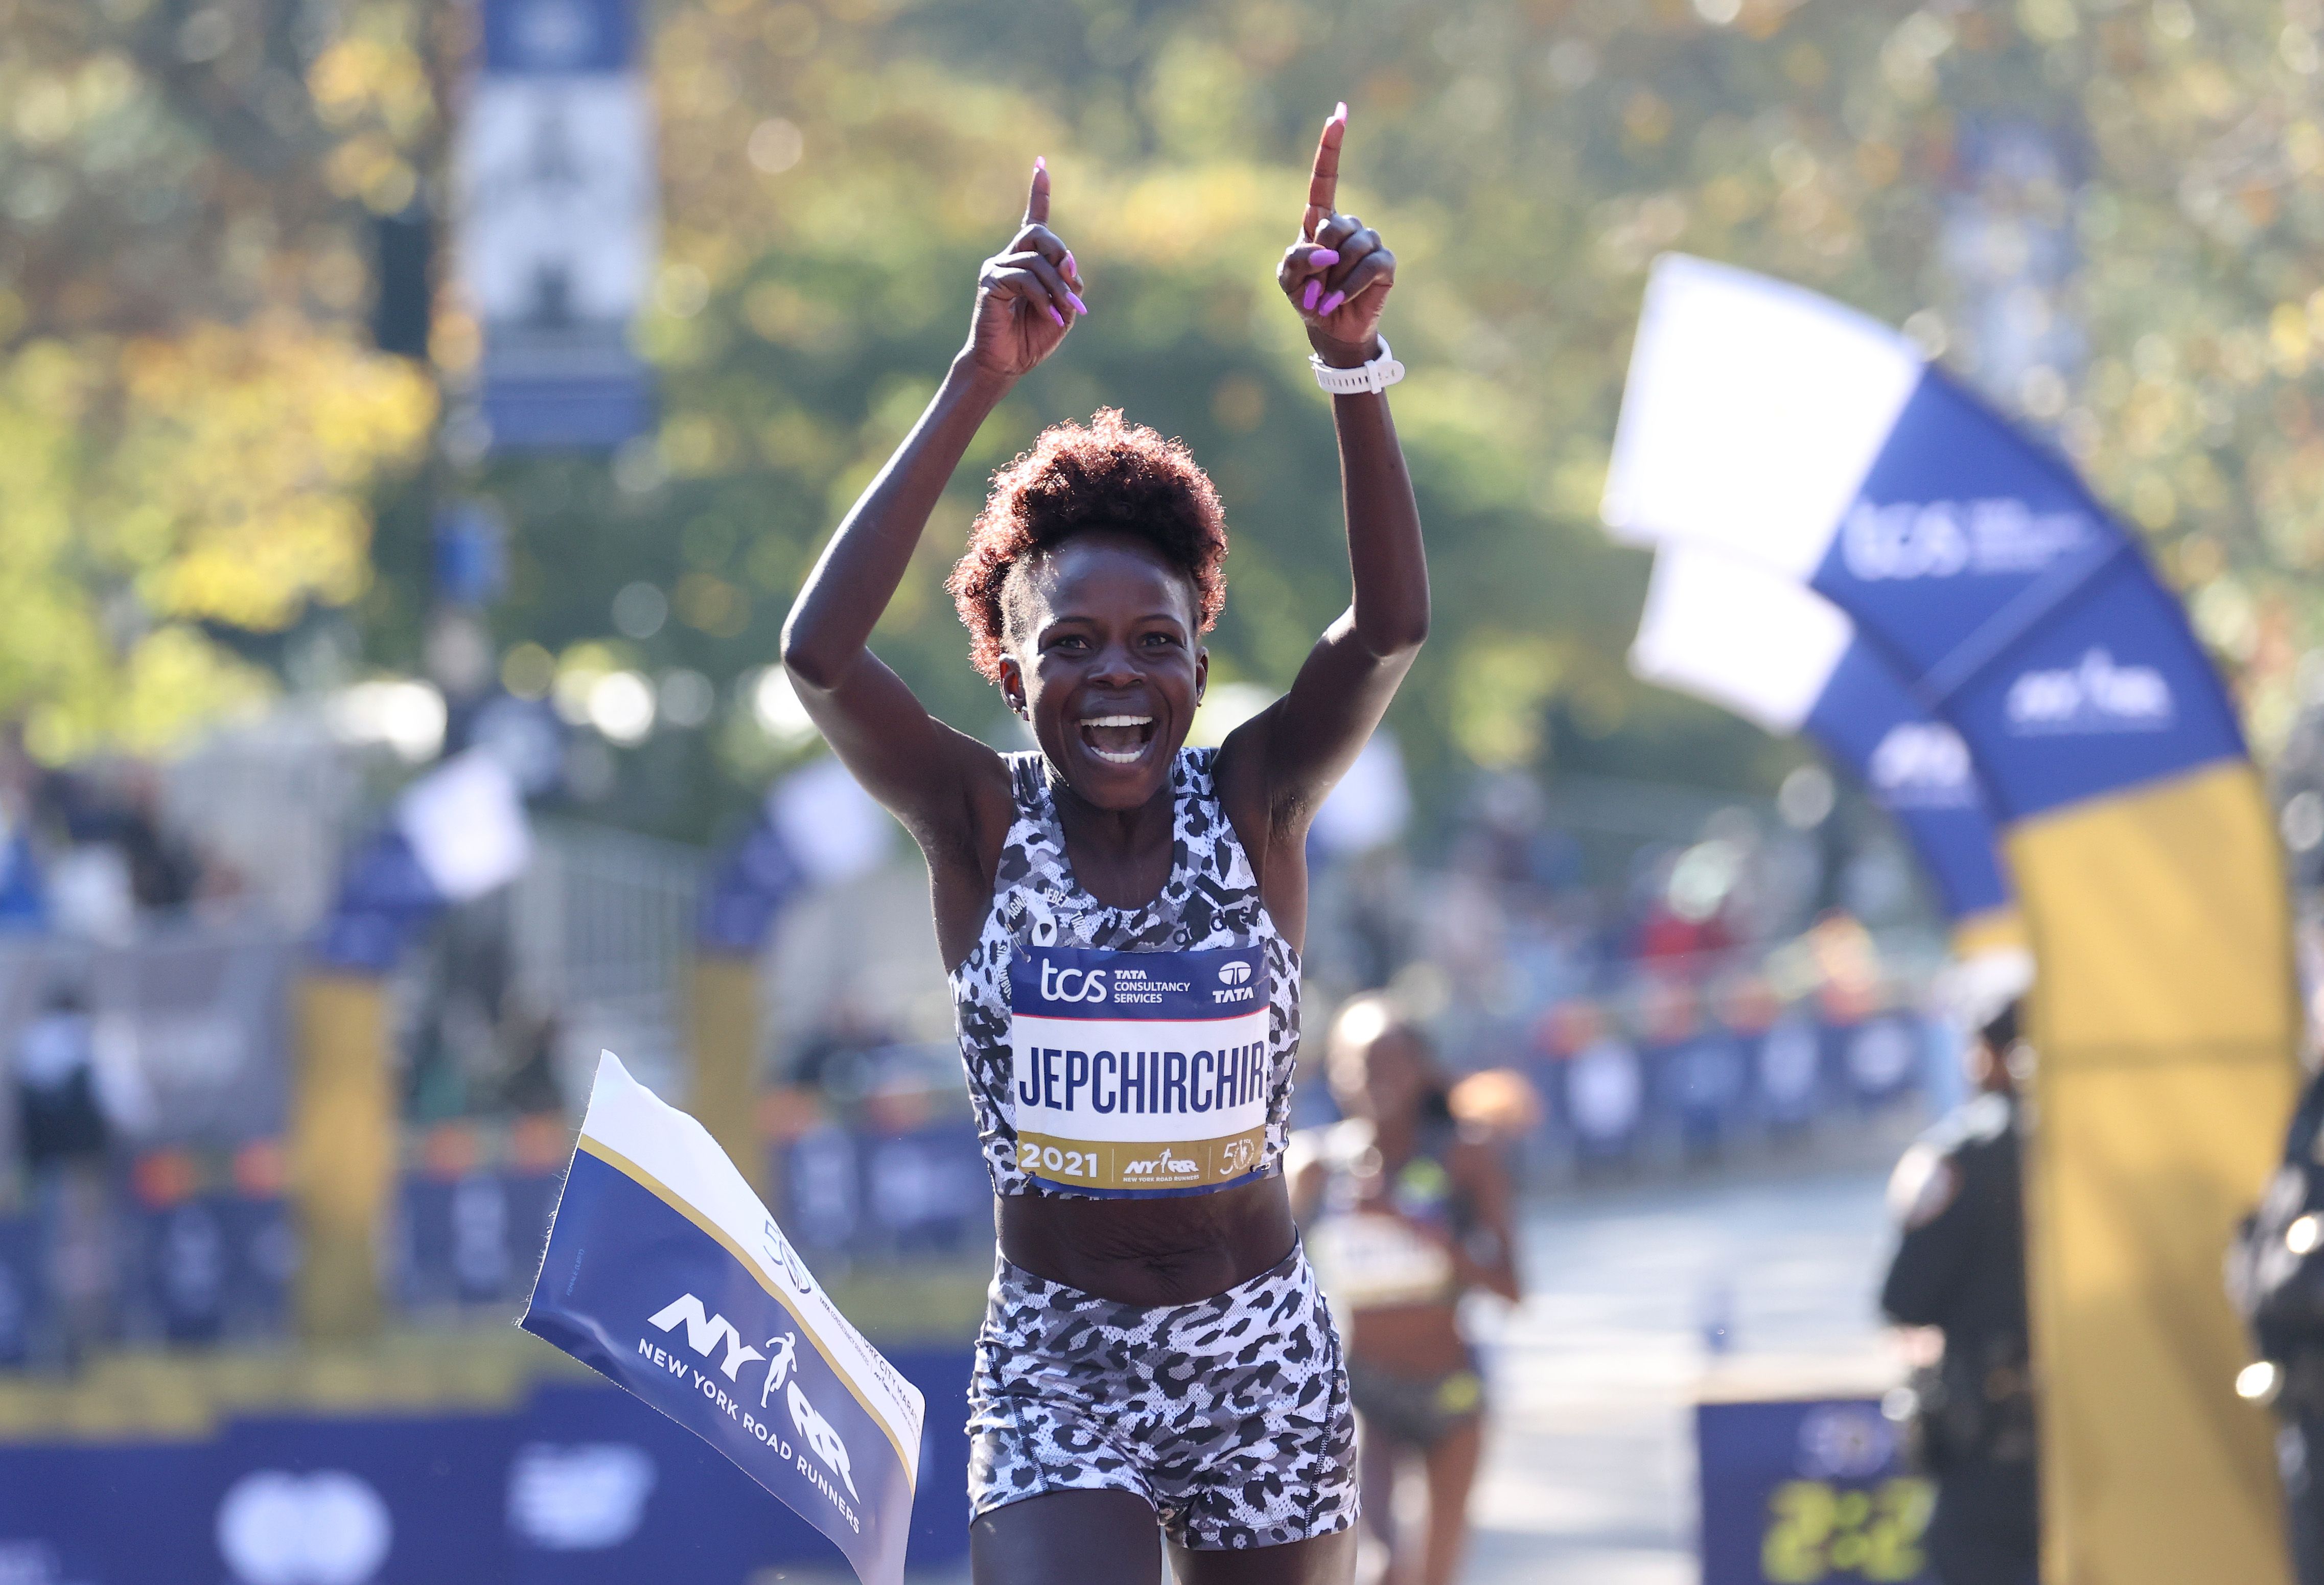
1387,562
859,570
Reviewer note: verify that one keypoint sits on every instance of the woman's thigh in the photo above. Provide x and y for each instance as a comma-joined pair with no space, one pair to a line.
1067,1538
1321,1560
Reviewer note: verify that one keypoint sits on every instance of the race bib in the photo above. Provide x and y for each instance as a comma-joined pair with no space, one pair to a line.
1367,1261
1138,1073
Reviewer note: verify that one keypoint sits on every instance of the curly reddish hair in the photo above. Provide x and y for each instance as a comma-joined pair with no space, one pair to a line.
1105,475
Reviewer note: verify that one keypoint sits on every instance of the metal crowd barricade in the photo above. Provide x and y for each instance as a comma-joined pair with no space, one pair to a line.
603,931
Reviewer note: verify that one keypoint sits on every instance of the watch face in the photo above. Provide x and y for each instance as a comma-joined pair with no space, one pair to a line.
557,199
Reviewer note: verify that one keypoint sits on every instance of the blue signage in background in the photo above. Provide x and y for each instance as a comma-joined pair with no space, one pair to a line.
471,553
1806,1493
578,1485
556,236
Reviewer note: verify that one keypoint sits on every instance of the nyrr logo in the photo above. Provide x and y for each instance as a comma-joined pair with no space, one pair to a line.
704,1333
2096,696
822,1436
1921,764
1166,1165
1072,984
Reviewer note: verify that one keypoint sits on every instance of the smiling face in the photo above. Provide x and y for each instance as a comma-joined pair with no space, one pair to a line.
1103,658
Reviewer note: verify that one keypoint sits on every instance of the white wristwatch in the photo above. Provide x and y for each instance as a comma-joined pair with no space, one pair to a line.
1376,377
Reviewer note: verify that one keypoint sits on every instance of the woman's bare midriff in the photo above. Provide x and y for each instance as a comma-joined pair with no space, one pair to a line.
1150,1252
1408,1340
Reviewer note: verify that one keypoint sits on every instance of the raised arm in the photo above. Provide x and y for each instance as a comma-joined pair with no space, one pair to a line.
1338,276
1027,298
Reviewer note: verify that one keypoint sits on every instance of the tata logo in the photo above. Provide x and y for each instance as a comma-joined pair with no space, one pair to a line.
704,1333
1943,539
1921,764
2095,696
1166,1165
1234,973
1072,984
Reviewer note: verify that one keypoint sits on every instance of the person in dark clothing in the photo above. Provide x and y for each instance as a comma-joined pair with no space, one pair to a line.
1960,1268
66,1135
2275,1280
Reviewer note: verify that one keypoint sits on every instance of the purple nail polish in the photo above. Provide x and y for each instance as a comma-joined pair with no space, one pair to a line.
1340,110
1059,318
1324,258
1307,299
1041,161
1079,306
1069,262
1329,303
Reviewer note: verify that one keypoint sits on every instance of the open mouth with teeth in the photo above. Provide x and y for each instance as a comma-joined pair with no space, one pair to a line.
1118,740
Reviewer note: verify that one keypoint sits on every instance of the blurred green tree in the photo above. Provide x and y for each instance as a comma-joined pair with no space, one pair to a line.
832,170
188,423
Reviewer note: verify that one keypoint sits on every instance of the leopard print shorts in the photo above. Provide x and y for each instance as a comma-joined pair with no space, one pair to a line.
1229,1417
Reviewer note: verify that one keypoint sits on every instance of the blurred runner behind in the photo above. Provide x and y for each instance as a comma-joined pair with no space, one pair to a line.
1406,1208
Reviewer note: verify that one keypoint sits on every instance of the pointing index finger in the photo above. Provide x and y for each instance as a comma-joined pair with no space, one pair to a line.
1037,201
1324,186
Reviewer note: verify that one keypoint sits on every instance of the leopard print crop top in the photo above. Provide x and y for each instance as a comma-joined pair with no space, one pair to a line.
1207,914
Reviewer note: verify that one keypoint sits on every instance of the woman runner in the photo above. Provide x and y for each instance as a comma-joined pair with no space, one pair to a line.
1121,918
1406,1210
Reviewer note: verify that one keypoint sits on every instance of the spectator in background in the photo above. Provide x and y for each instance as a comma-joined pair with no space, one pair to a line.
66,1138
848,1032
1406,1210
56,1084
1960,1268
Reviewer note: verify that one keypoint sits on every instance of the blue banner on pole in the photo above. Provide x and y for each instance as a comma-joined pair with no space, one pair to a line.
556,234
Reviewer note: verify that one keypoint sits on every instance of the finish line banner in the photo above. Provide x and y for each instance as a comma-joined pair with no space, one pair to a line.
665,1273
1768,424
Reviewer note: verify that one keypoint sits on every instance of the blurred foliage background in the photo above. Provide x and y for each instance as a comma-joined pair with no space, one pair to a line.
211,486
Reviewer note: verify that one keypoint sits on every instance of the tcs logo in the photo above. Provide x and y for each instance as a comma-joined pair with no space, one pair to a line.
1072,984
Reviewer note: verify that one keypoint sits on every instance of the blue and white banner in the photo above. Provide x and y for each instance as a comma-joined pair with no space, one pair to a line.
1788,660
665,1273
456,834
1778,427
556,234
